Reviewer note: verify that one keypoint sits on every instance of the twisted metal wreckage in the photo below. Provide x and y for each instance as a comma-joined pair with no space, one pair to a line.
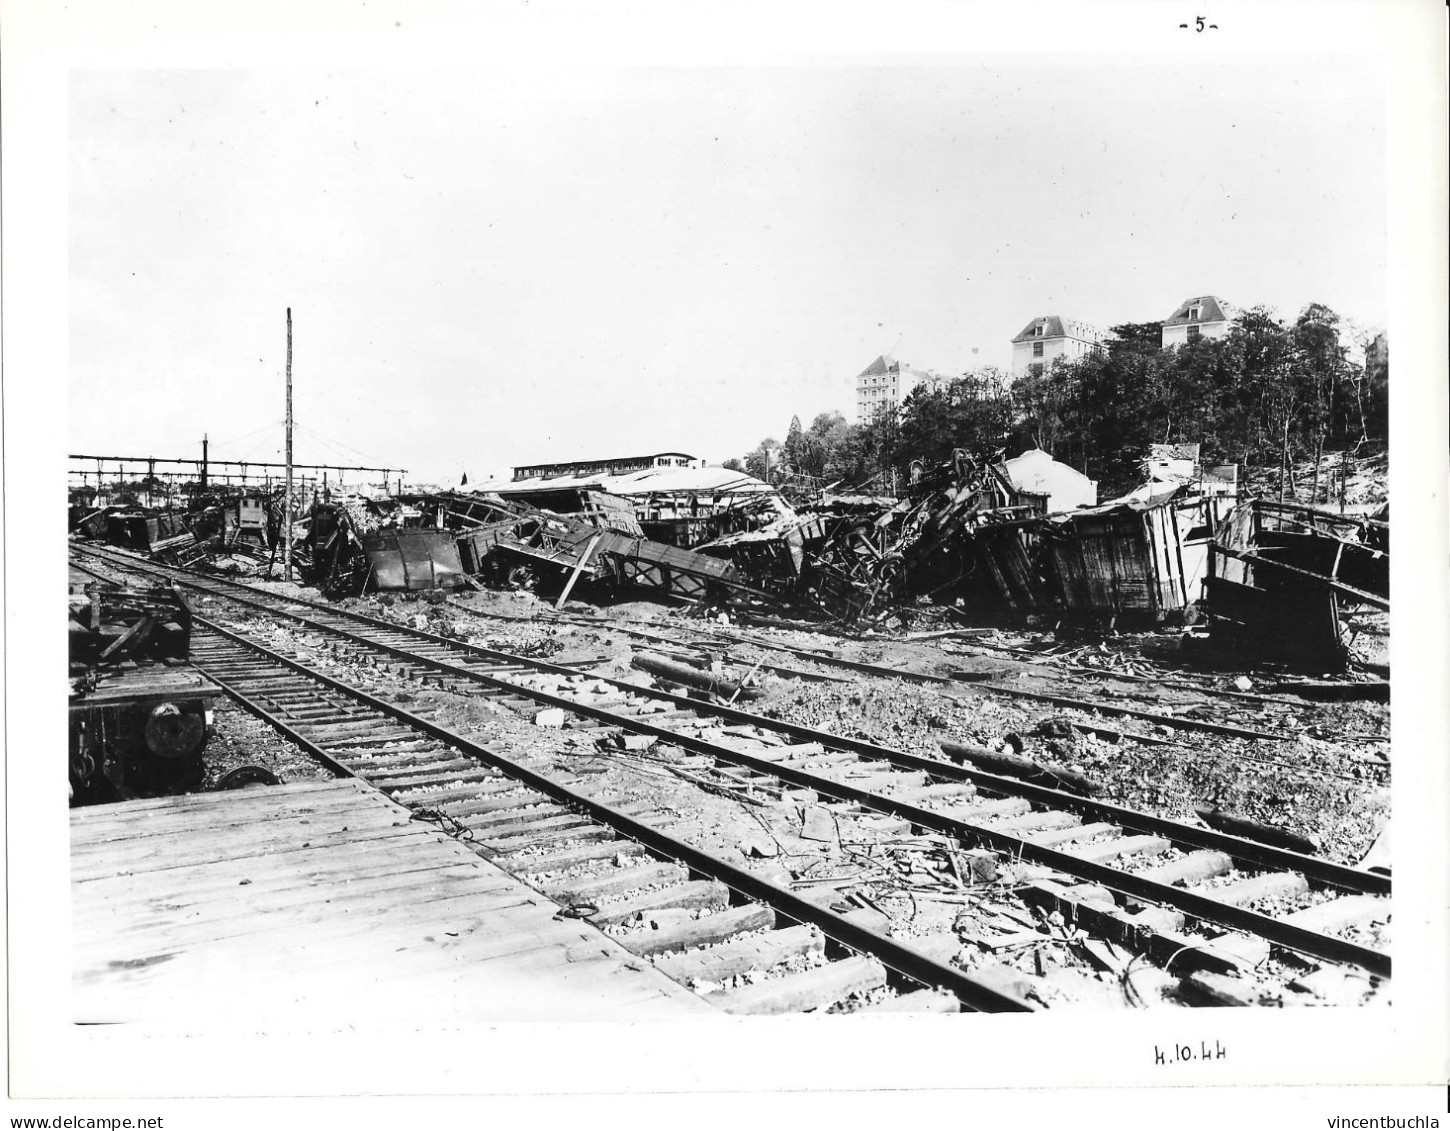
1271,578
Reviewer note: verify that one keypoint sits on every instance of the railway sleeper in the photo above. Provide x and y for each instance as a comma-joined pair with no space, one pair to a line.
290,698
815,759
917,1001
1041,821
954,791
534,815
324,713
711,930
1251,889
560,836
357,728
377,751
528,811
526,863
693,895
670,715
730,957
435,773
389,763
386,739
401,767
877,783
997,807
464,780
1143,845
1193,868
428,797
500,799
1070,834
1162,940
1338,915
275,687
619,881
810,990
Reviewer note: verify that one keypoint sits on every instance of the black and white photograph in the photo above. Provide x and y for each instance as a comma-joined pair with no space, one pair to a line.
712,539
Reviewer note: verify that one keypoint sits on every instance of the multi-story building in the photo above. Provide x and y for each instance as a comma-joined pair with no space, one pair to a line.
1202,317
1047,338
886,383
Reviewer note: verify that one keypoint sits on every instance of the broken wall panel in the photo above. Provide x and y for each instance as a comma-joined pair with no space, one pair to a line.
1002,552
1142,558
1104,563
1295,627
1280,571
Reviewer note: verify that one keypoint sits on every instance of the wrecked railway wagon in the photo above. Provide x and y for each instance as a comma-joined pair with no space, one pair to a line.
413,559
1137,559
1279,574
139,712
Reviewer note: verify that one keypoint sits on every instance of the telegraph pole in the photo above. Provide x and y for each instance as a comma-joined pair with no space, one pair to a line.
287,507
203,461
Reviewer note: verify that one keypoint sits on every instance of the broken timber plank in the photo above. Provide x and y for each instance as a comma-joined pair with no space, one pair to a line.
578,569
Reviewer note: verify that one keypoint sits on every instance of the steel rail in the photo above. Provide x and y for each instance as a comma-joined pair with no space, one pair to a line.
1262,855
276,723
904,959
1201,907
1318,945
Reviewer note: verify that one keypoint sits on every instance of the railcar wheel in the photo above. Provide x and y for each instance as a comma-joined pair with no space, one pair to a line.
171,732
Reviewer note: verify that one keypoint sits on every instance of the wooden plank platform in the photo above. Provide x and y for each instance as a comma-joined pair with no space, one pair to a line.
324,903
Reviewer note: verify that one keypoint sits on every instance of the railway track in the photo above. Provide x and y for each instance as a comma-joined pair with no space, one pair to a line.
1223,909
1130,686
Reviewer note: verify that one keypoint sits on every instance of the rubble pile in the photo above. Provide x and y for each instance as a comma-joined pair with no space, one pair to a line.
965,538
228,532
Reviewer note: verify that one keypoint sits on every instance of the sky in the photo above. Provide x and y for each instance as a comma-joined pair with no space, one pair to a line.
514,265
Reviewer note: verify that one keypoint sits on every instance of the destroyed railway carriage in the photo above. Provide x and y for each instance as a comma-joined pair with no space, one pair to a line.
1280,576
1138,560
961,533
679,502
132,528
139,712
438,542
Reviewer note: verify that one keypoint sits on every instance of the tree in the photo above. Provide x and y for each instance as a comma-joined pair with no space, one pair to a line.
791,451
1141,338
1324,375
973,412
824,444
764,461
733,465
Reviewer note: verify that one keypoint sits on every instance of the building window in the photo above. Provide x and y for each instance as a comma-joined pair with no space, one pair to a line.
1037,330
1036,349
1193,333
1194,312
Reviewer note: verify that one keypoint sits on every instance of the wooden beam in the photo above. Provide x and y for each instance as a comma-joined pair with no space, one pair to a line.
1348,590
578,569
